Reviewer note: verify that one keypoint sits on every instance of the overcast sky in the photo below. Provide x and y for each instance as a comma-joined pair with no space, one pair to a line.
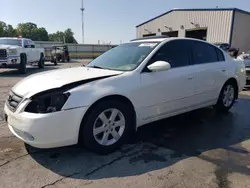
105,20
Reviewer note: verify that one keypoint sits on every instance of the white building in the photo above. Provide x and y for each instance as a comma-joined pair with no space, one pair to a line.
227,25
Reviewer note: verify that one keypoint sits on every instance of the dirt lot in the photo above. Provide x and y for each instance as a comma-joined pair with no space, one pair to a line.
197,149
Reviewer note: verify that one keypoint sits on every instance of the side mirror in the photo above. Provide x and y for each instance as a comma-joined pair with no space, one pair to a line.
159,66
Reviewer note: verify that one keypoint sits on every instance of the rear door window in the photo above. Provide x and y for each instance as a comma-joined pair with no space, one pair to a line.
220,55
203,53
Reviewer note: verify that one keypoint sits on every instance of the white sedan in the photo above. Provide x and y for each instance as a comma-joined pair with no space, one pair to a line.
136,83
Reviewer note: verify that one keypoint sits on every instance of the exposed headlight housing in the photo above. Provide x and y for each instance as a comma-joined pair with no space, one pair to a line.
12,51
47,103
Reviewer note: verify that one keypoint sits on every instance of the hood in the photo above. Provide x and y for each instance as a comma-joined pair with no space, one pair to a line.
58,78
5,46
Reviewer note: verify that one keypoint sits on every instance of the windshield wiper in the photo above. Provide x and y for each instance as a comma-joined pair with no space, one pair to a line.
97,67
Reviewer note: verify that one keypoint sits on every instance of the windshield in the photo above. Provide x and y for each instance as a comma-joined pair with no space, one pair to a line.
59,48
125,57
16,42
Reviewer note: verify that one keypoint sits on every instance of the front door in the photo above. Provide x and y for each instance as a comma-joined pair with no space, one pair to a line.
28,51
167,92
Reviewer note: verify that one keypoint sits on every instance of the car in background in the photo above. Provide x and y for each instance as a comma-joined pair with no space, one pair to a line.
223,46
246,58
233,52
100,105
18,52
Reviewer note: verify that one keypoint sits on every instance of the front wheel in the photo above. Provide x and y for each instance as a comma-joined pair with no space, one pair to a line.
22,67
227,97
106,127
41,61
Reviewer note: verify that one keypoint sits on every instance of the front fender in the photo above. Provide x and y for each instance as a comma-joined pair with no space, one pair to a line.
88,94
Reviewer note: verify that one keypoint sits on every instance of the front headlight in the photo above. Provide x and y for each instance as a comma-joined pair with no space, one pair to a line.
12,51
47,104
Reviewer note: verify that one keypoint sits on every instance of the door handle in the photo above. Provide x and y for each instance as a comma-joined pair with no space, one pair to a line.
190,78
223,70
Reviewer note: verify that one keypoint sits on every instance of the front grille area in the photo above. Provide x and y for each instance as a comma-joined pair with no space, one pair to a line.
13,101
3,53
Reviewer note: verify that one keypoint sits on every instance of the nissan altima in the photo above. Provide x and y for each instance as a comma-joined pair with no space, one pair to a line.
100,105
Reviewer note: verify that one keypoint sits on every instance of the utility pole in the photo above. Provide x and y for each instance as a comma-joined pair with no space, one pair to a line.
82,10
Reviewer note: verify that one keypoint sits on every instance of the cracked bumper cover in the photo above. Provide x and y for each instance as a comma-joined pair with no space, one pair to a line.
48,130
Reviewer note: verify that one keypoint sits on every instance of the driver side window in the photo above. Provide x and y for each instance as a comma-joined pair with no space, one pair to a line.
26,43
176,53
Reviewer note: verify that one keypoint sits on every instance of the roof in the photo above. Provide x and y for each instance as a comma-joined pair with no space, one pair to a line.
11,38
197,9
167,39
149,40
151,37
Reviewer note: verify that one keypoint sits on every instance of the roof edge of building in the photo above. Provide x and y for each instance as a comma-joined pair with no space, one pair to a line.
195,9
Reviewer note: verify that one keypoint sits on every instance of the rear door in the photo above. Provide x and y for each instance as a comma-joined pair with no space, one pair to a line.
35,55
210,71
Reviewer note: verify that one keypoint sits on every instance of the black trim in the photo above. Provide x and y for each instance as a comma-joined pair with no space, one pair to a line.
197,9
67,87
232,28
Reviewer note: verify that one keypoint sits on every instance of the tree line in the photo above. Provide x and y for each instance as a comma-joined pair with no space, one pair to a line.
31,31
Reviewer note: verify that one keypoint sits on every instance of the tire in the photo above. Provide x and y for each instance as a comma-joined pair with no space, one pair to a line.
63,59
58,58
22,67
41,62
93,141
227,99
55,62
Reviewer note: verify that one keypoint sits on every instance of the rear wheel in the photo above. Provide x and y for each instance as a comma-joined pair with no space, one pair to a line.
63,59
58,58
227,97
41,61
106,127
22,67
55,62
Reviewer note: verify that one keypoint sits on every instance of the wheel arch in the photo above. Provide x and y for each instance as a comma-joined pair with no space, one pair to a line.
116,97
235,83
23,54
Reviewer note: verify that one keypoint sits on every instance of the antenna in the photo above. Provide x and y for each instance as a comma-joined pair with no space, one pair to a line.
82,10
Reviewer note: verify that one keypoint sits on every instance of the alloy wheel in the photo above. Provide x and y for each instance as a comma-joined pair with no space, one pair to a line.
109,126
228,95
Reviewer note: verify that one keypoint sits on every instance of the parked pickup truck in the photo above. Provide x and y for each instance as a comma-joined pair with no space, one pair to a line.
18,52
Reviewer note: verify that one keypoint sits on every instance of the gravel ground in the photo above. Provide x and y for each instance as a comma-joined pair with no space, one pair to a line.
196,149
